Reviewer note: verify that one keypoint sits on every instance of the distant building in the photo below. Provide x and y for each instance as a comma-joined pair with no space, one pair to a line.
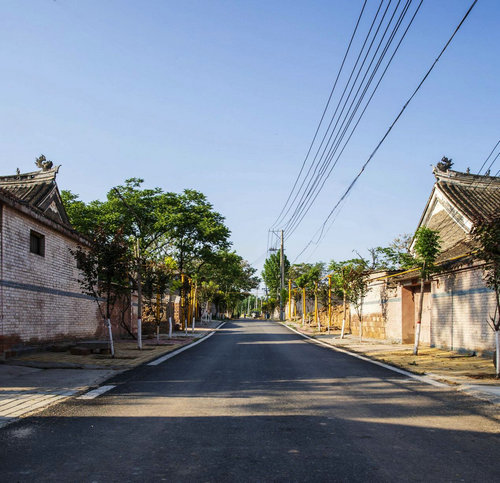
40,298
457,304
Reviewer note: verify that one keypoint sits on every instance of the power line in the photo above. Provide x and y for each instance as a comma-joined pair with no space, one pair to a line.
322,116
316,163
302,210
353,70
353,182
489,156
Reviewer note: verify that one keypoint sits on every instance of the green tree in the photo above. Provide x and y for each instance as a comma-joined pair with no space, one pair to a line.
271,273
427,248
348,282
486,236
233,275
394,257
105,269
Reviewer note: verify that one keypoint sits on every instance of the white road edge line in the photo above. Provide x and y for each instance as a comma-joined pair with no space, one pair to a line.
182,349
96,392
425,379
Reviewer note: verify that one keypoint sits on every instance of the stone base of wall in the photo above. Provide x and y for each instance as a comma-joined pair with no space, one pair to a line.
373,326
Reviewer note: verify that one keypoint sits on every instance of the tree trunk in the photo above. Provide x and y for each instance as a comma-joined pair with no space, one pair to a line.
360,317
419,317
110,332
343,319
497,345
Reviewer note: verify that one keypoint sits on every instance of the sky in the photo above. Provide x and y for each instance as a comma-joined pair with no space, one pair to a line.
225,96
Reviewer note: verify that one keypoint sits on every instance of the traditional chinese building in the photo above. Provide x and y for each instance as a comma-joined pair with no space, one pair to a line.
40,298
457,303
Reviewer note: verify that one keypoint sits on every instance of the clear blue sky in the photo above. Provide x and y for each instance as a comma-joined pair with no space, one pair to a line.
224,97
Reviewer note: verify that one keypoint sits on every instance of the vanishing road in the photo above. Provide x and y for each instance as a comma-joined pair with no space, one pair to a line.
256,402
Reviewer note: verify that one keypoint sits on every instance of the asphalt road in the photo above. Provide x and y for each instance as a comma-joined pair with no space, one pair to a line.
256,402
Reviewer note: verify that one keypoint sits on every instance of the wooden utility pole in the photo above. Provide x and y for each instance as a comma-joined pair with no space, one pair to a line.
282,278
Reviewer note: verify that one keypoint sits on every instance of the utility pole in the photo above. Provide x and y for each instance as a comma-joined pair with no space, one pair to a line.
282,268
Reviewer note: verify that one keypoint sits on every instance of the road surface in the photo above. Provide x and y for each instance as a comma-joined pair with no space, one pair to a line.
256,402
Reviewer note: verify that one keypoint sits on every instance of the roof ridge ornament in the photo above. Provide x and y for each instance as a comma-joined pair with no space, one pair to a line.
43,163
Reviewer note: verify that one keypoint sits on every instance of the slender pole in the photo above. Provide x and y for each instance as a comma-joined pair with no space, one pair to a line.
419,316
282,271
316,320
290,298
181,315
139,296
329,302
303,305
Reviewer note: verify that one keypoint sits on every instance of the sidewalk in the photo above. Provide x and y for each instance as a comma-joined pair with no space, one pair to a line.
472,374
35,381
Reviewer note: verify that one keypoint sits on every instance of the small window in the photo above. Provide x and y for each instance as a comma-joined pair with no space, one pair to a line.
37,243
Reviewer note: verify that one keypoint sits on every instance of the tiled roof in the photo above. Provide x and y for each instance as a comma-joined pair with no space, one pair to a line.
39,190
474,195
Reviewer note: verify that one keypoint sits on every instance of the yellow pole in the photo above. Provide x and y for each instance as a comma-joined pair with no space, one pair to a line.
329,302
315,302
290,298
183,291
295,304
303,305
190,304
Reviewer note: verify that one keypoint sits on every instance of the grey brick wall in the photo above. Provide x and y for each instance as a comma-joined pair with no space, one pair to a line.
461,306
40,299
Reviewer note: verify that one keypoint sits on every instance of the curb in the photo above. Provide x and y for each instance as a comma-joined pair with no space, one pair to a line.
55,399
182,349
469,389
424,379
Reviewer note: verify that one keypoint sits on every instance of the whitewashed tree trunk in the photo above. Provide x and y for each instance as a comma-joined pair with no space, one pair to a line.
111,344
343,319
419,318
170,327
497,344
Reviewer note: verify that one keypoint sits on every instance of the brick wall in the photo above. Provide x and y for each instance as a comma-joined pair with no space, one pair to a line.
40,298
461,306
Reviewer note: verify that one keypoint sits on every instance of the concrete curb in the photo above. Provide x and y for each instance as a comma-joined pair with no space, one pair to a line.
182,349
26,406
473,390
424,379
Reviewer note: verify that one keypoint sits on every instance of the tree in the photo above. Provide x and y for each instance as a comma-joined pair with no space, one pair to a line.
349,282
394,257
105,269
358,288
195,232
486,235
183,226
158,277
233,276
272,272
427,249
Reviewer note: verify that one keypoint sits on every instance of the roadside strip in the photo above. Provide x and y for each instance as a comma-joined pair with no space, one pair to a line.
424,379
182,349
